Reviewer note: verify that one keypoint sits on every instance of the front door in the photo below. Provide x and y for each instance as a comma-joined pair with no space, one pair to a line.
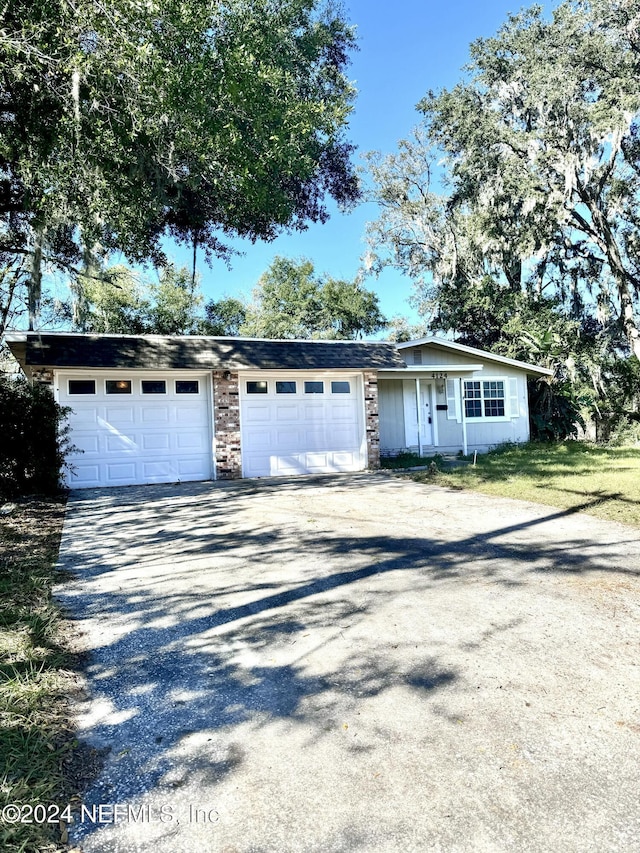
411,414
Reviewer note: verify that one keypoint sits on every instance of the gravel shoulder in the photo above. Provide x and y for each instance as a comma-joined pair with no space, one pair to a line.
354,663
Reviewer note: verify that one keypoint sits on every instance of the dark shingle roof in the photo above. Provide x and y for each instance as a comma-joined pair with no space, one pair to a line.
164,353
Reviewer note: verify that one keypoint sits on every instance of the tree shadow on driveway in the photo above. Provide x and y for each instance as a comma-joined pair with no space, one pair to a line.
224,618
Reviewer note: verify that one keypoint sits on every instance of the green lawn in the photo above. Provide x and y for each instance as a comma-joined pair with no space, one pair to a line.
571,475
36,735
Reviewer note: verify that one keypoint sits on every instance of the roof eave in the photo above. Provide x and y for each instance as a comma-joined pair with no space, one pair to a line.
531,369
433,368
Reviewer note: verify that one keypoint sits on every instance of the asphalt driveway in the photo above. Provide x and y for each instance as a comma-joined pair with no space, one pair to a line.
354,663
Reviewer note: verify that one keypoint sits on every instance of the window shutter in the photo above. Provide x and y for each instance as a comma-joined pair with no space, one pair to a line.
514,398
453,400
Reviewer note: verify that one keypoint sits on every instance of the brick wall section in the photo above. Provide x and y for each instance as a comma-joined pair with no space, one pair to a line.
373,423
226,416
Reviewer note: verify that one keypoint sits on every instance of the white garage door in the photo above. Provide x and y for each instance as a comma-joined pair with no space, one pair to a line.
134,429
301,424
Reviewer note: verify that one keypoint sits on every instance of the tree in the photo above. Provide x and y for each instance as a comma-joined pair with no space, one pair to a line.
175,307
35,438
285,301
548,160
291,301
224,317
120,301
536,227
348,310
122,123
112,302
401,330
543,163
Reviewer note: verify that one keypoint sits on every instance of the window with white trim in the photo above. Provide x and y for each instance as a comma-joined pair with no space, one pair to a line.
484,398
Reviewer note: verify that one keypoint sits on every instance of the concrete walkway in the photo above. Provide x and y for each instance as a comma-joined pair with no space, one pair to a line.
354,663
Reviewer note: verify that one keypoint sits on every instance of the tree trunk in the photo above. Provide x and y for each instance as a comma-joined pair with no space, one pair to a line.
629,321
5,308
35,279
622,277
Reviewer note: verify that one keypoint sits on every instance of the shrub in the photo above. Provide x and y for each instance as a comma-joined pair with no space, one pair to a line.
33,438
554,411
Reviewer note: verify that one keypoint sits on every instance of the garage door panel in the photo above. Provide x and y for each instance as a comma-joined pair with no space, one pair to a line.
341,411
194,416
285,466
255,464
192,441
119,442
342,436
317,462
144,438
120,416
289,412
314,412
119,471
156,441
192,468
313,438
86,443
344,461
154,468
292,438
84,417
155,415
259,440
258,414
85,475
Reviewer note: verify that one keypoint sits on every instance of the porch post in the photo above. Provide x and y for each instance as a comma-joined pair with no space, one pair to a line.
463,417
419,416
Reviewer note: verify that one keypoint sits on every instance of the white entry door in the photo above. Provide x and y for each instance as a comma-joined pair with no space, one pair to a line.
411,413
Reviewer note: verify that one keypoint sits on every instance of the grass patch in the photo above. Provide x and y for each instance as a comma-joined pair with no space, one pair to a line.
408,460
36,739
603,481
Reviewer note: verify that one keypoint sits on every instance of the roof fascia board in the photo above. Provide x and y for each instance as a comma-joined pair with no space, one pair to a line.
433,368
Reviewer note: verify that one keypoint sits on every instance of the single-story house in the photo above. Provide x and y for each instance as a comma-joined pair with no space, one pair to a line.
151,409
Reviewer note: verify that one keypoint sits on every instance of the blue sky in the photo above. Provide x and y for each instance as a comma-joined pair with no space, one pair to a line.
406,48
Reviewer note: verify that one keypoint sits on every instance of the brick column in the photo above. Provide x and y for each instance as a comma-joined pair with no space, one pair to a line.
373,425
226,416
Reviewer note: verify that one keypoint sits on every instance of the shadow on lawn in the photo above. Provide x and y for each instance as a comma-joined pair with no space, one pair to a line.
187,660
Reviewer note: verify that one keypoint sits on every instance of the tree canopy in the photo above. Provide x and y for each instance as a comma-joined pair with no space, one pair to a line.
122,123
120,301
541,152
289,301
292,301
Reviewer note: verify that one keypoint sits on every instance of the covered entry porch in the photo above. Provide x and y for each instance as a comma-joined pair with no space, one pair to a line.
421,410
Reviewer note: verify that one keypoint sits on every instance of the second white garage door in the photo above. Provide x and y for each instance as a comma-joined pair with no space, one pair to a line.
301,424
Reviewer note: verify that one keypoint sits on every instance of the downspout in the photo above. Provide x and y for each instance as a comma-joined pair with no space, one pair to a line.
463,418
